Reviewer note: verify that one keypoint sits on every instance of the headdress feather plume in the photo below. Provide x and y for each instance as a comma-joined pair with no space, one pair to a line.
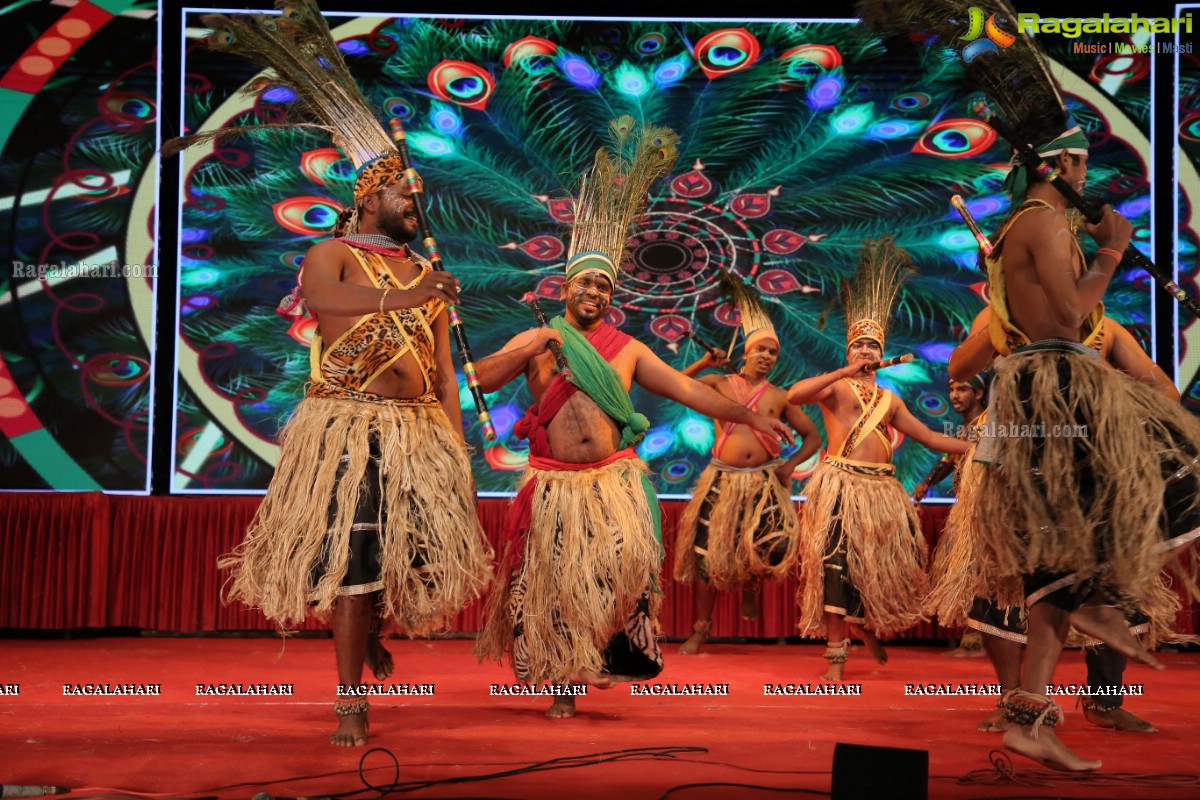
298,47
756,322
614,192
869,295
1015,76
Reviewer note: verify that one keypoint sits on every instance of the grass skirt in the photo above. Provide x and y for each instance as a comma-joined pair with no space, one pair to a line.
752,529
1108,504
433,556
955,576
885,549
959,584
586,574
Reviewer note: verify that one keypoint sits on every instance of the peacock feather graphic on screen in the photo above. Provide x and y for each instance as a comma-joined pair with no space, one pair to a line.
797,141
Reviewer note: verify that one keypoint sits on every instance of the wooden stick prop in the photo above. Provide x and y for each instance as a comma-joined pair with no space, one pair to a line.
560,358
889,362
413,182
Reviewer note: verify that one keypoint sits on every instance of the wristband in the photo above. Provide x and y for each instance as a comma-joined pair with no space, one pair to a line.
1108,251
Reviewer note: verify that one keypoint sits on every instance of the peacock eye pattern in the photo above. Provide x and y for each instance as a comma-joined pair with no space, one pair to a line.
955,138
463,83
727,51
306,215
798,140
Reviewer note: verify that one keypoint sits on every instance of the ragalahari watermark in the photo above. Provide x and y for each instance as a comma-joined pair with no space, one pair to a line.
67,270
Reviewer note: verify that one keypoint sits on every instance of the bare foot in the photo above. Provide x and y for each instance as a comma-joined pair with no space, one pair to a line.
750,603
836,655
994,722
873,646
1107,624
563,707
970,646
1047,749
693,644
351,730
700,633
960,652
1117,718
379,660
594,679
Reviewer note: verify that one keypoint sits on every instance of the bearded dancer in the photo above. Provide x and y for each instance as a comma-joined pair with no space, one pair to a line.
576,599
862,559
370,514
741,524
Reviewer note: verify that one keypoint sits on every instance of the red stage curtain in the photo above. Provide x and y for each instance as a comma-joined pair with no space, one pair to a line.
54,560
89,560
166,549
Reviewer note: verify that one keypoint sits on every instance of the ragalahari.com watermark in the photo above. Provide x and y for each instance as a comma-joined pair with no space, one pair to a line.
1013,430
67,270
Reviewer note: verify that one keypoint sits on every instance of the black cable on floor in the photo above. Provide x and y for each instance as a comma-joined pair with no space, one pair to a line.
550,765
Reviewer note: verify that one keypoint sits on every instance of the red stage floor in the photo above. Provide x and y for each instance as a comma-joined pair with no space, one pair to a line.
232,747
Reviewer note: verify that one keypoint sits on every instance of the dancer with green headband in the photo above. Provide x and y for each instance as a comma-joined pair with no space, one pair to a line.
1076,519
1077,513
576,597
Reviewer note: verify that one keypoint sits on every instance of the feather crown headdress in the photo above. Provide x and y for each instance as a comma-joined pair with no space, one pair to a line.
756,322
298,47
757,326
868,296
613,193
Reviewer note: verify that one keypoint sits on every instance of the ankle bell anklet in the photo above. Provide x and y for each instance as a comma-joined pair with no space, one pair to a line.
1096,708
1025,708
344,709
837,653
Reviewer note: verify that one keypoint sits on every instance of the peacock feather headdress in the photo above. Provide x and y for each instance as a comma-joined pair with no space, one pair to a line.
613,193
756,322
868,297
1010,69
300,51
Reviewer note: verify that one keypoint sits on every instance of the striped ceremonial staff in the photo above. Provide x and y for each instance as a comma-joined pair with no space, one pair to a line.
961,205
1030,157
413,182
889,362
560,358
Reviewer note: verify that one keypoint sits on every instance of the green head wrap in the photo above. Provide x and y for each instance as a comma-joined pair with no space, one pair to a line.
1072,141
592,260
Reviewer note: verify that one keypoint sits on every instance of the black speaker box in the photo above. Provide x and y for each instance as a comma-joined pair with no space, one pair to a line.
862,772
